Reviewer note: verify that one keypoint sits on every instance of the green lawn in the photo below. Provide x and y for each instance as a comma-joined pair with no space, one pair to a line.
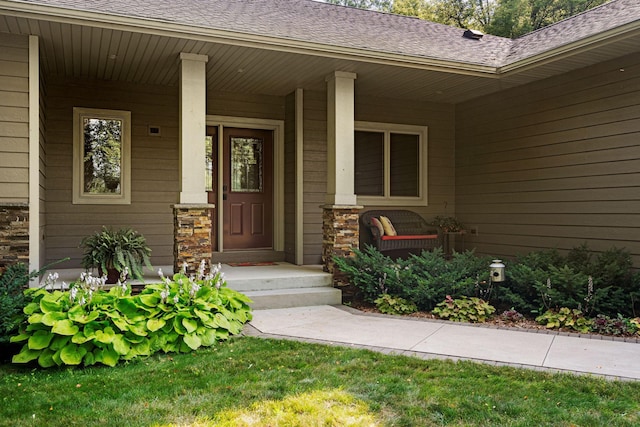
257,382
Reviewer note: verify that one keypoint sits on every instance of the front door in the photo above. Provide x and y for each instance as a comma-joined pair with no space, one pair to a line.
247,189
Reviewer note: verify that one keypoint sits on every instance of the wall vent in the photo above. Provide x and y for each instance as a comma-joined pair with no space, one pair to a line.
473,34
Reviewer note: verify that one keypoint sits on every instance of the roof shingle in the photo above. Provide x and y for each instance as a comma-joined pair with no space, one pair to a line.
325,24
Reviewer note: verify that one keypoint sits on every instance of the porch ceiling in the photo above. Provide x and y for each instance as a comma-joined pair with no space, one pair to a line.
97,50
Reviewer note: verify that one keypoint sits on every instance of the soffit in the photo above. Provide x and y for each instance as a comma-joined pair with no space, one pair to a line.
100,52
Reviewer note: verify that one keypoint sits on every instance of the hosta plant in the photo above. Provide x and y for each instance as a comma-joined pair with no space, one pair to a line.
565,318
464,309
88,324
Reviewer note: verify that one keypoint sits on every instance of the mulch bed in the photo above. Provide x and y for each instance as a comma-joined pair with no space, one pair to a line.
495,321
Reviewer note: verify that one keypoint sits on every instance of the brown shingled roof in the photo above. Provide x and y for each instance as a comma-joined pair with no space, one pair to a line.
369,31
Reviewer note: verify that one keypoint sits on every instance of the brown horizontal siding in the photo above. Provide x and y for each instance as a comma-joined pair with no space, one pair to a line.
553,164
314,173
154,167
14,118
440,121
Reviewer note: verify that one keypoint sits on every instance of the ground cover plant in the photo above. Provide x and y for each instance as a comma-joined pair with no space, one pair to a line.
89,324
580,291
260,382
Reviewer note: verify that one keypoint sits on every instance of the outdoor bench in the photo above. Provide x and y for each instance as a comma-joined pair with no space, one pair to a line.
413,232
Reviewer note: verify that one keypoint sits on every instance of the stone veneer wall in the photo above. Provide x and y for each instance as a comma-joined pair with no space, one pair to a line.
193,239
340,235
14,234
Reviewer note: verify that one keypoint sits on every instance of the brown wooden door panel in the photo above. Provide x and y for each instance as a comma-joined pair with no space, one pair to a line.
248,189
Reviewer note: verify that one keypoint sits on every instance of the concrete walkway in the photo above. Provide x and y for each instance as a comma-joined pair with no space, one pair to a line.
429,339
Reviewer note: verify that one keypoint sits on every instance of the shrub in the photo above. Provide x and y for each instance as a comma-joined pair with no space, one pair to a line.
424,280
12,299
373,273
13,282
89,325
464,309
388,304
432,277
545,280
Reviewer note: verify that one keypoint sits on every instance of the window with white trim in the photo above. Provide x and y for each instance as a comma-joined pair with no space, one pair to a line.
390,164
101,156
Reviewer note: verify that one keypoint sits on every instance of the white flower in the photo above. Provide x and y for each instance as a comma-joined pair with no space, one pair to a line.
160,273
176,299
73,293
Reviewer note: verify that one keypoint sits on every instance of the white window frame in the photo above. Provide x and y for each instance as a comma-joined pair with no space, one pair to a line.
387,129
79,196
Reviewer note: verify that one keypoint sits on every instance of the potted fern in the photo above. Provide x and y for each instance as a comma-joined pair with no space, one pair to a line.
114,251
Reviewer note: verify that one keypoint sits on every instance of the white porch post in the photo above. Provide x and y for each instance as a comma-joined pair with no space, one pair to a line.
192,122
340,233
192,227
340,144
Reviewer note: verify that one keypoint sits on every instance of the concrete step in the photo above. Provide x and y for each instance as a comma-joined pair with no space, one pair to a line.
294,297
272,277
283,285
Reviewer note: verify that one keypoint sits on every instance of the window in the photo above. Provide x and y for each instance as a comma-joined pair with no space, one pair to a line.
101,156
390,164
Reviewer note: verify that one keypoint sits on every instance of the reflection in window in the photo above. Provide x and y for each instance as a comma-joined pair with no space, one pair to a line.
208,143
246,164
102,156
390,162
369,155
404,152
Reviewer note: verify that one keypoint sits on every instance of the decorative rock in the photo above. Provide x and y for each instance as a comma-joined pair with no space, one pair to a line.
14,234
340,236
193,240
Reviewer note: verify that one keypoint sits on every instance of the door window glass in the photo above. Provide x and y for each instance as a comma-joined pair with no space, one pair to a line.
246,164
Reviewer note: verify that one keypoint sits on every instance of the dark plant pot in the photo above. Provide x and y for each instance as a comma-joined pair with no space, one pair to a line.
112,275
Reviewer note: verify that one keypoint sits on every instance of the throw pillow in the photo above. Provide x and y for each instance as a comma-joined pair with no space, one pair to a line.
389,230
376,223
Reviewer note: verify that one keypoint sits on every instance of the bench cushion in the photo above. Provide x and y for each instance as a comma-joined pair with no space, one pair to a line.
389,230
376,223
411,237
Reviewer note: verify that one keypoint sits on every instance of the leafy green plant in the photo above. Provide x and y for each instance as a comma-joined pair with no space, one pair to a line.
432,277
116,249
594,284
389,304
13,282
464,309
89,325
12,299
373,273
511,315
617,326
565,318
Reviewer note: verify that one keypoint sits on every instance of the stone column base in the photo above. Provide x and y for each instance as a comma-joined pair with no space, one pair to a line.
192,236
14,234
340,236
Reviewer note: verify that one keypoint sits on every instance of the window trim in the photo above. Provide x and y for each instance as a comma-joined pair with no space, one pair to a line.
387,129
79,196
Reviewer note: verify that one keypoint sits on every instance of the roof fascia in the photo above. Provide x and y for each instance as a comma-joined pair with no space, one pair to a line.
170,29
565,51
